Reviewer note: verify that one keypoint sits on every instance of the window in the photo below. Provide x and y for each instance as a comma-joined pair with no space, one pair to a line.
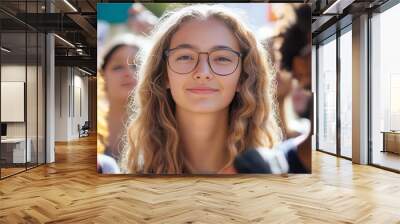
385,88
346,75
327,96
22,75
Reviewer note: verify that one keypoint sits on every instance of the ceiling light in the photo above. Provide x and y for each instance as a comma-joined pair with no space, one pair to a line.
337,7
64,40
86,72
71,6
5,49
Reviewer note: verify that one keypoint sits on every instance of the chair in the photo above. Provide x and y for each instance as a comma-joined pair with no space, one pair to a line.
84,130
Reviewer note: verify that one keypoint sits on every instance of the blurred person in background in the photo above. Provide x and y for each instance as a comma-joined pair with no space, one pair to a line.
117,19
292,60
117,79
296,59
285,86
141,21
201,100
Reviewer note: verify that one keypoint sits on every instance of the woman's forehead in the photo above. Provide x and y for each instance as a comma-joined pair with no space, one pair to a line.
123,53
204,35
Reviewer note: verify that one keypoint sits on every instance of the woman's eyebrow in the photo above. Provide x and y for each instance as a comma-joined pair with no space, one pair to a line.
217,47
221,47
185,46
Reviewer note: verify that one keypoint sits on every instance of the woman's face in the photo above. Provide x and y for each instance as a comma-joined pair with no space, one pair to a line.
200,89
119,76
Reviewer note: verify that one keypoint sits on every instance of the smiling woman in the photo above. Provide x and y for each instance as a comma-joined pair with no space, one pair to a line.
204,95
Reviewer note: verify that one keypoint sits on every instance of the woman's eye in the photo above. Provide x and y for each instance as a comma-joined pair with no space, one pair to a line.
223,59
184,58
118,68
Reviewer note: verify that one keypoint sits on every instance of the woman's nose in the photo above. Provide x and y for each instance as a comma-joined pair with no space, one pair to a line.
203,70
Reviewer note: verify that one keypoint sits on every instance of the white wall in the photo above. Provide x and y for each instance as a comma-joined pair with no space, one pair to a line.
71,93
33,126
13,73
61,103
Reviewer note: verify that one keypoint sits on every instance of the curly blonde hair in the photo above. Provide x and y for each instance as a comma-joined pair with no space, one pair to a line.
153,135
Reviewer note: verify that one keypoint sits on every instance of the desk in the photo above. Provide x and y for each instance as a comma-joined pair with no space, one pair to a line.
391,141
15,148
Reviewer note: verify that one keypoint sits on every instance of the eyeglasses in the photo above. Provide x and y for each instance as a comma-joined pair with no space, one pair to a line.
221,61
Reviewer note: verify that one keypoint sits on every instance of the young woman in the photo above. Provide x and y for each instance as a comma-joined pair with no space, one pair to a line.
116,81
204,95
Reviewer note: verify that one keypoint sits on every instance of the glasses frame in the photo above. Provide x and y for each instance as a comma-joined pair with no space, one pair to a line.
168,51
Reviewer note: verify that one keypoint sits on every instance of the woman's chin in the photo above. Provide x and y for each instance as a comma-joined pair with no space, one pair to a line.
204,109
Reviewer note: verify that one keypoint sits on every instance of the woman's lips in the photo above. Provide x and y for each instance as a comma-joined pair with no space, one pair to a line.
130,83
202,90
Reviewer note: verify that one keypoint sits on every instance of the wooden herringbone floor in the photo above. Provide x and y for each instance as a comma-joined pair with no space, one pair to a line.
70,191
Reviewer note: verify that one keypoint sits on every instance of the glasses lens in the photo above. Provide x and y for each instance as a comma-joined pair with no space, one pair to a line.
223,62
182,60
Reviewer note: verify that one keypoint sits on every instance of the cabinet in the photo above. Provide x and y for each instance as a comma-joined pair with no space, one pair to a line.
391,141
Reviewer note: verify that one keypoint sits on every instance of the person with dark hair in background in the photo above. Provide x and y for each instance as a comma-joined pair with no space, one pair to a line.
294,154
296,58
285,86
296,48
